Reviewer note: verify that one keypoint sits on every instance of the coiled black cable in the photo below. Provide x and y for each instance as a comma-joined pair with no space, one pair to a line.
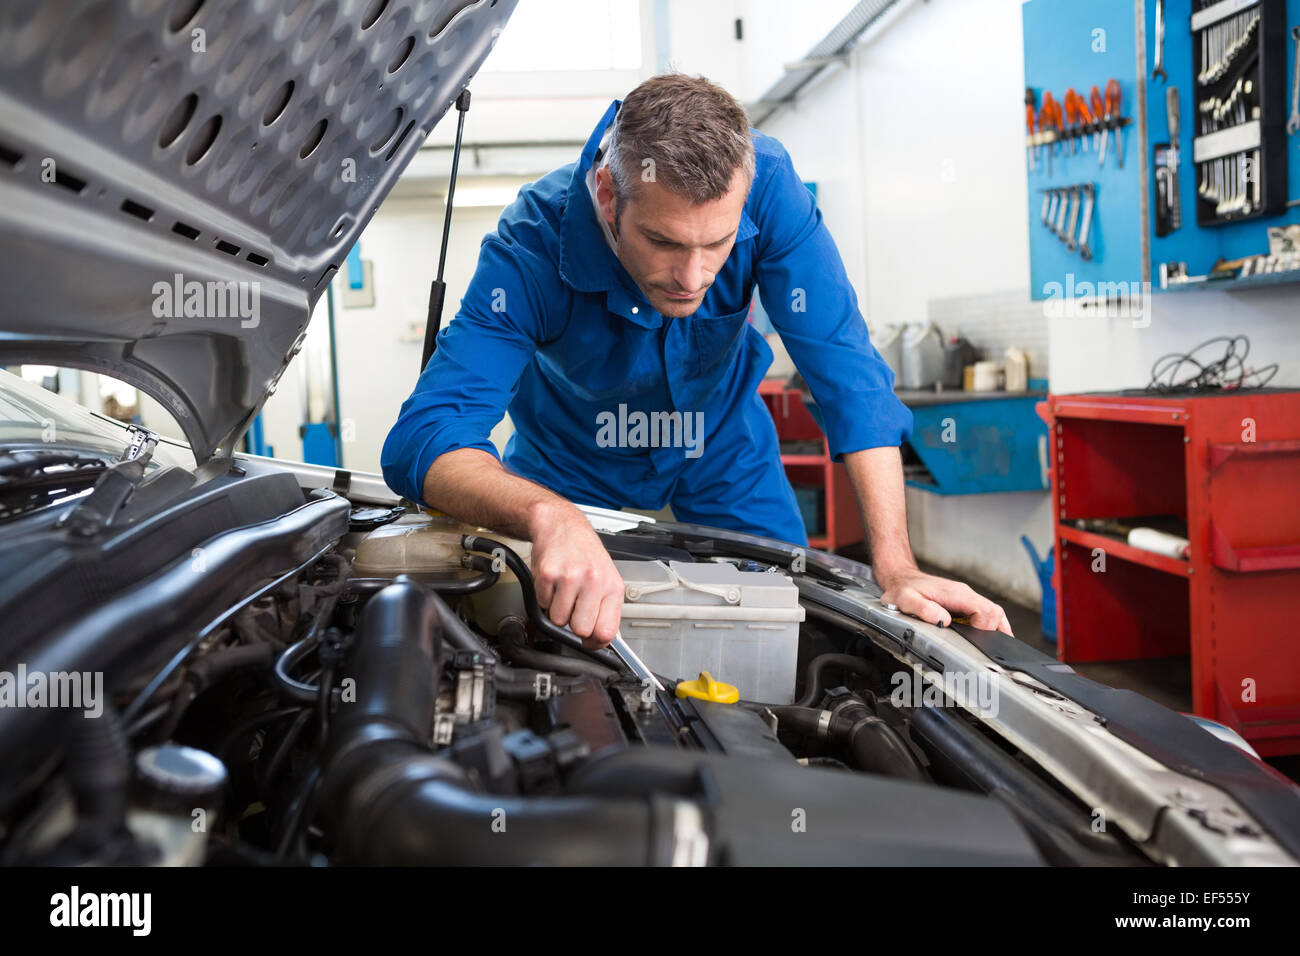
1227,372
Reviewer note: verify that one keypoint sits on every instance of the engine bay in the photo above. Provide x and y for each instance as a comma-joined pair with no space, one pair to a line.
297,678
398,697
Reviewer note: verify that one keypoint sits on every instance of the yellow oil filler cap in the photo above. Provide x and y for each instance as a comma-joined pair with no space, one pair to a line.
706,688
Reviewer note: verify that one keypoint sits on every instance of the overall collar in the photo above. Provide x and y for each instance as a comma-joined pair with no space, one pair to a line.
587,264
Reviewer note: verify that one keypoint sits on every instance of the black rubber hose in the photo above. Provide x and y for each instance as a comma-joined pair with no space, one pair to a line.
510,632
876,746
447,588
288,685
209,669
99,775
389,800
513,683
813,687
281,752
472,542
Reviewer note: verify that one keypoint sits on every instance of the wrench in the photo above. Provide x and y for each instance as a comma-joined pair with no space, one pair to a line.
1293,124
1070,242
1090,200
634,663
1159,71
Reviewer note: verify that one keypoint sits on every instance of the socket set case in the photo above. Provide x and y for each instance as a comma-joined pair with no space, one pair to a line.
1239,109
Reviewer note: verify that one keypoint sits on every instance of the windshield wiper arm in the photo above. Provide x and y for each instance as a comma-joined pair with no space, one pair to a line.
115,487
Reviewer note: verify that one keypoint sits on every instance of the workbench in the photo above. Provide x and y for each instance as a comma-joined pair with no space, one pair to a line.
976,442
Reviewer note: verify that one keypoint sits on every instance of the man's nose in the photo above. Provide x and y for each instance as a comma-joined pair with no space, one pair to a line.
689,271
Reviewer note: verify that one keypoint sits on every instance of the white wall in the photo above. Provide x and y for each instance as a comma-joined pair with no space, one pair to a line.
379,347
1102,354
916,146
917,149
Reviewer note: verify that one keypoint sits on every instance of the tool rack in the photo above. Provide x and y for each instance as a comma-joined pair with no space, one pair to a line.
1228,465
1070,48
1234,160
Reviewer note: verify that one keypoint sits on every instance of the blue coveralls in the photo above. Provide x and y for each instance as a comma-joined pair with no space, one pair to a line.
553,328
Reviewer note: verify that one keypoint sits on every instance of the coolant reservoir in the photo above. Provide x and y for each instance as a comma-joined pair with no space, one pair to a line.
425,546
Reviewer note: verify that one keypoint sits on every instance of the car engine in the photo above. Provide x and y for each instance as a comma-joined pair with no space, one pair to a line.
392,701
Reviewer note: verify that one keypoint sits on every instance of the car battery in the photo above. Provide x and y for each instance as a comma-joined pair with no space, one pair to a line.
683,617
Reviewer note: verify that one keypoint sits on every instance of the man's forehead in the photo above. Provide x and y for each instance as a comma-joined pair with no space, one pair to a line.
663,214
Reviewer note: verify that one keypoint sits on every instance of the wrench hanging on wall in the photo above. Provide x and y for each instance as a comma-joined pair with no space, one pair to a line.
1159,71
1068,213
1293,124
1085,229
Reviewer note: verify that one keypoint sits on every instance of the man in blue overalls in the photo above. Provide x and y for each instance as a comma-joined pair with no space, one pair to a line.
609,315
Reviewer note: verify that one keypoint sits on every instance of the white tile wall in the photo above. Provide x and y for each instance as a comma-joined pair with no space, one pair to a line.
993,322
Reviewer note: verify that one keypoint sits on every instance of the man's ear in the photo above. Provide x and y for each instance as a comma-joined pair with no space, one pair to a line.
605,194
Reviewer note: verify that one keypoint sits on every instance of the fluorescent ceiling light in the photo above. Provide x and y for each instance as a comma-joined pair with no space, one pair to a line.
485,196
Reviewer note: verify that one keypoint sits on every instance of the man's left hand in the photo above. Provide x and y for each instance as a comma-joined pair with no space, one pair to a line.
934,599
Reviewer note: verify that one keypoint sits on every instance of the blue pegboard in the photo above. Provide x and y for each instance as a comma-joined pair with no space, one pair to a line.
1072,43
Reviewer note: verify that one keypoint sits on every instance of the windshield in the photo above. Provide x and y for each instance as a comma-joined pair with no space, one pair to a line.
34,417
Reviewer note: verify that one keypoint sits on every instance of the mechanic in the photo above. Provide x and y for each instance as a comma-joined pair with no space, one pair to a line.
609,314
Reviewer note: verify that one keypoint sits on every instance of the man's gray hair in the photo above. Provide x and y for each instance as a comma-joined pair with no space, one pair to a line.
684,132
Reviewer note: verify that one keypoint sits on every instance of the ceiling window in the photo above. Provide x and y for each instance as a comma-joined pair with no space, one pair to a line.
569,35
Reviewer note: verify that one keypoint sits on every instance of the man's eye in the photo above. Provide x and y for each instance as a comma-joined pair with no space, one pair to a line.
663,242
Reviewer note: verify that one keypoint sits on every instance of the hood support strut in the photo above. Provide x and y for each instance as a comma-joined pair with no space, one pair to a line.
438,289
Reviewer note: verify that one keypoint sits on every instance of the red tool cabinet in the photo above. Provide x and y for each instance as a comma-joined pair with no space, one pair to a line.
794,422
1227,464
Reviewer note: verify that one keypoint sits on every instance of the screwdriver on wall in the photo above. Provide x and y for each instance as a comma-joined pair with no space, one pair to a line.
1098,110
1085,117
1072,117
1114,114
1049,118
1031,102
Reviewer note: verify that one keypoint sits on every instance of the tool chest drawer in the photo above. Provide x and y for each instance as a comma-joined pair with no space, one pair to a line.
1221,471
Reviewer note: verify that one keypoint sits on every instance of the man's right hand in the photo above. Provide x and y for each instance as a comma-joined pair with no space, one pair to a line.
577,583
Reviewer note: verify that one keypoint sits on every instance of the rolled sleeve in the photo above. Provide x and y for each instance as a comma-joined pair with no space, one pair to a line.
468,384
813,307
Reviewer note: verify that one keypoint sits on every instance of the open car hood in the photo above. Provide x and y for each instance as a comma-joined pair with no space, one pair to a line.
180,179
